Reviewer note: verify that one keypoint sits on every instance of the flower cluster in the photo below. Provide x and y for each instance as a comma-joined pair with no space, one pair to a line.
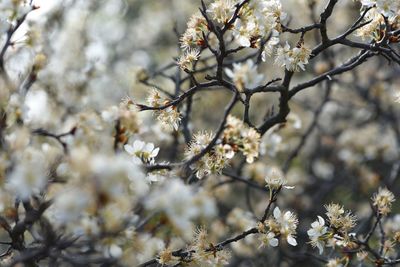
292,59
169,116
379,12
270,47
125,116
29,177
333,233
186,61
371,30
221,10
213,161
193,37
341,220
244,75
166,258
205,253
383,201
236,137
388,8
282,225
240,137
257,21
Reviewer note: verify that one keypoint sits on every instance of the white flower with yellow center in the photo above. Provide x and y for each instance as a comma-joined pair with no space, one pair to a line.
142,152
269,239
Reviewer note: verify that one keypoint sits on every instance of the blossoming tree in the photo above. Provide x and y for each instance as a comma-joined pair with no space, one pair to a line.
270,137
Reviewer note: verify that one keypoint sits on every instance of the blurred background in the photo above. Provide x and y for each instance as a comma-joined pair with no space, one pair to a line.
98,52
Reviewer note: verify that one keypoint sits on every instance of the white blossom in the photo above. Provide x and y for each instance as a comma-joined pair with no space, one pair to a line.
276,179
28,177
221,10
318,229
142,152
69,205
113,251
244,32
187,60
383,200
170,117
269,48
269,239
292,59
389,8
245,75
288,224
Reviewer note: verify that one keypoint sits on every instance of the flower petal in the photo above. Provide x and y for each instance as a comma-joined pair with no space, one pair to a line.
149,147
138,145
137,160
154,153
321,220
129,149
291,240
277,213
273,242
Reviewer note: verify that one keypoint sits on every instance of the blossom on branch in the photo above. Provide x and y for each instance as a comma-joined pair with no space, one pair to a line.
316,233
245,75
292,59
